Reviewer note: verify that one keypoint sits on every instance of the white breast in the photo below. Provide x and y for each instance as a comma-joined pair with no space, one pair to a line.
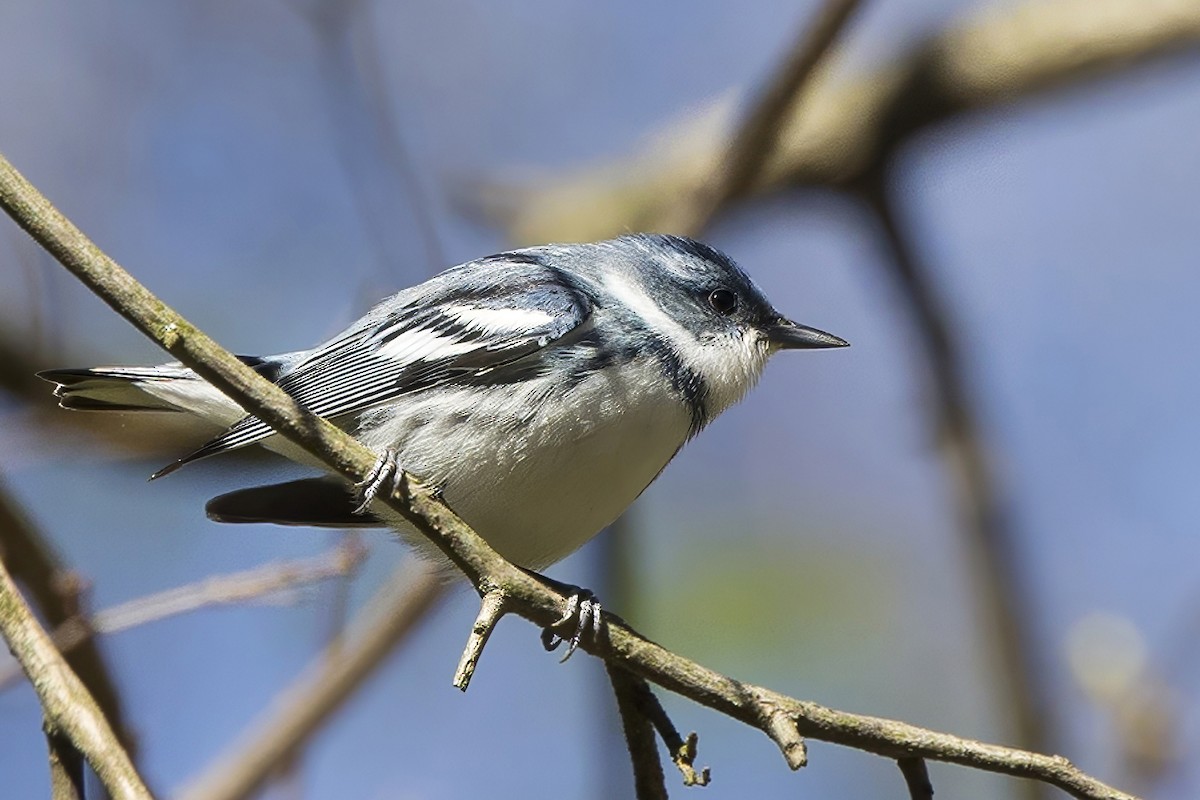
537,476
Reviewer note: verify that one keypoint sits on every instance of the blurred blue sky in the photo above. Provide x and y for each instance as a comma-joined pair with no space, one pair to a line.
806,541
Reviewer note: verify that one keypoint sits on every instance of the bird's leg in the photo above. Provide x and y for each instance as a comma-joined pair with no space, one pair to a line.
381,477
581,614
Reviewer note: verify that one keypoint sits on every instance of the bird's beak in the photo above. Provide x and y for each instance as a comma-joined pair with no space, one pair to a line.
788,335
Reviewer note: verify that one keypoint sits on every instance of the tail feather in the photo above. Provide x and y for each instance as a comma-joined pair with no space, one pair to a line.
166,387
121,388
112,388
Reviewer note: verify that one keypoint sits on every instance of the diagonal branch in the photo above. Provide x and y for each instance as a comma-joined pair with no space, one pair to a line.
71,713
238,587
282,731
531,598
840,128
57,593
756,139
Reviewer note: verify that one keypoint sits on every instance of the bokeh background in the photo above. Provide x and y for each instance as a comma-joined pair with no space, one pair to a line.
270,169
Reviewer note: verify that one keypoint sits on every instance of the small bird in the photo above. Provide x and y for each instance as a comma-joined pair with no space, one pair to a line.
540,390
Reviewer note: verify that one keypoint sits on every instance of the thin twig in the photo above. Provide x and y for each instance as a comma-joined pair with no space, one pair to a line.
71,713
299,711
492,606
782,729
684,757
757,137
648,779
422,507
683,751
916,778
237,587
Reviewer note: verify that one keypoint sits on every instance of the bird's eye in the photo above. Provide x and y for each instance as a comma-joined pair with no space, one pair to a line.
723,301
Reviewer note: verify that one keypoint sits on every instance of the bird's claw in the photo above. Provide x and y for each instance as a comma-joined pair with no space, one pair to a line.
584,610
381,477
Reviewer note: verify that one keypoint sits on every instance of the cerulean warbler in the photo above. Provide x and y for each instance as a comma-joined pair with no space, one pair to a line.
541,390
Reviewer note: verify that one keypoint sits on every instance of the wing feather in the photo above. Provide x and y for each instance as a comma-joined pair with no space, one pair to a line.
480,319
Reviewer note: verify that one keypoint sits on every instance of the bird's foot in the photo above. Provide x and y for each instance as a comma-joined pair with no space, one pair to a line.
381,478
581,614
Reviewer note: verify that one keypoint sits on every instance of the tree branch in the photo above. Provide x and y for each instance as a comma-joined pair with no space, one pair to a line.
532,599
648,780
57,592
916,778
493,606
683,751
302,707
66,769
238,587
839,129
71,714
757,137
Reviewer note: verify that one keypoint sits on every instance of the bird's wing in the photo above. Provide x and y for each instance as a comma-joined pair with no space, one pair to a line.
491,320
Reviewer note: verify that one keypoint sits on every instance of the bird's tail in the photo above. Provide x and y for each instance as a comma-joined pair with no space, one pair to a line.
166,387
142,388
113,388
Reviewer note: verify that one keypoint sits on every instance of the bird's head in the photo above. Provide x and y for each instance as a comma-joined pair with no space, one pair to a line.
704,309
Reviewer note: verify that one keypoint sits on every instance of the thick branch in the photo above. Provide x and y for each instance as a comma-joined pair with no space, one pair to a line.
839,129
533,600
